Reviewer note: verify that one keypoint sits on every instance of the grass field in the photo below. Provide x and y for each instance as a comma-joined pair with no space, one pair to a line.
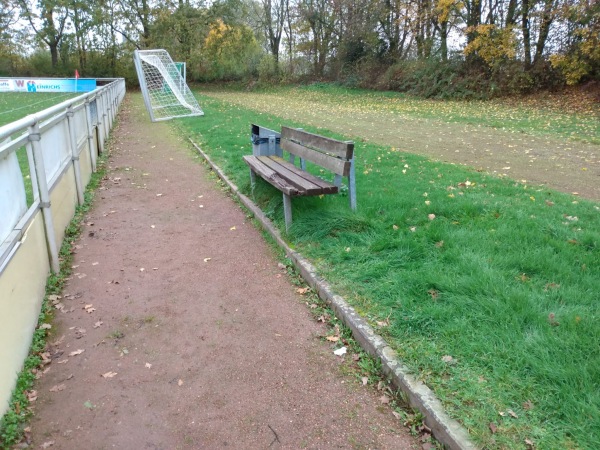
487,287
16,105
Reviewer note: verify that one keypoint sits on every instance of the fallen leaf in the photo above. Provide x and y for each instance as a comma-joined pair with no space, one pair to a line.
47,444
493,427
528,405
384,399
77,352
365,380
109,374
448,359
98,324
333,338
58,388
53,297
89,405
180,383
303,290
207,259
232,229
45,326
512,414
529,443
431,216
395,227
148,366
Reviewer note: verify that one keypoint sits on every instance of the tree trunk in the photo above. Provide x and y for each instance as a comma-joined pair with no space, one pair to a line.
526,34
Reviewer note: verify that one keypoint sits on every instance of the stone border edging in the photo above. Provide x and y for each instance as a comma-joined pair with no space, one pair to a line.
445,429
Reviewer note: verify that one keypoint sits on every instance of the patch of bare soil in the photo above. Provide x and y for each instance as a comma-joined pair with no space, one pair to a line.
179,330
564,165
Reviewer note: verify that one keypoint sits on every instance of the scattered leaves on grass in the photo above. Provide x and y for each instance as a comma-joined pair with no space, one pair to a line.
528,405
493,427
431,216
303,290
333,338
512,414
448,359
552,320
433,293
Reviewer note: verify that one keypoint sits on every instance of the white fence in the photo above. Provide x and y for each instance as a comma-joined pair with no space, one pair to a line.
46,160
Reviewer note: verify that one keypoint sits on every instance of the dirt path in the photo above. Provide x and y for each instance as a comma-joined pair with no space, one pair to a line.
180,329
564,165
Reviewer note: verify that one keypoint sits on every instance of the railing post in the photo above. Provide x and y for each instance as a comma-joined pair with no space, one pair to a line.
42,183
75,155
90,136
99,123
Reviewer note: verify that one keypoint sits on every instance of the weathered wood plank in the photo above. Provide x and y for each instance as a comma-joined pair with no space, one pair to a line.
327,145
326,186
292,175
336,165
270,176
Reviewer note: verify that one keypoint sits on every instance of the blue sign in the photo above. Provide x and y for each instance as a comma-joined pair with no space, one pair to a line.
47,84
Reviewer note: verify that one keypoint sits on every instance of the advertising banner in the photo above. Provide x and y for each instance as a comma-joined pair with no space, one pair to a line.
47,84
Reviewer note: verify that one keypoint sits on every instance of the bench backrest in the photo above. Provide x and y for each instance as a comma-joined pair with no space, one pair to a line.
328,153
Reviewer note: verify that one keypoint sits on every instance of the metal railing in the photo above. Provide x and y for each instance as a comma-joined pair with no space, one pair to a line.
53,140
46,160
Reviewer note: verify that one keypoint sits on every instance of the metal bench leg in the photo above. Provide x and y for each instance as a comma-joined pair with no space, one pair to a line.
352,186
252,178
287,211
337,180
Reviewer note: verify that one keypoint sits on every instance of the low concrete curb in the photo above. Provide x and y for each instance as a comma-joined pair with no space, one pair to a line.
446,430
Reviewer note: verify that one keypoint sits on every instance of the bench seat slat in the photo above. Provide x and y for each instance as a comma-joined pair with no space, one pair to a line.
271,176
311,184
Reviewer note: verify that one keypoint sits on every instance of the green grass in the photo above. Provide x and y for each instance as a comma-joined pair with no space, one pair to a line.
504,280
538,117
16,105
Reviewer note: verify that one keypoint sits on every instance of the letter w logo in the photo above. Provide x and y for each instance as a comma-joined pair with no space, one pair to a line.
20,83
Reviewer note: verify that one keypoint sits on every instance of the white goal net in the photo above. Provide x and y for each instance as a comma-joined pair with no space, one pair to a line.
166,94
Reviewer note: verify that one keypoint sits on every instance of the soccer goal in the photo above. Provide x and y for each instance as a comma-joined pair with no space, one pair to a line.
166,94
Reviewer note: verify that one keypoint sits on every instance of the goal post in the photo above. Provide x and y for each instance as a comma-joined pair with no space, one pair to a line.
166,93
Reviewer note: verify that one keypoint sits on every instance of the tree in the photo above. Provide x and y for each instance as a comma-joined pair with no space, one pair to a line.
49,24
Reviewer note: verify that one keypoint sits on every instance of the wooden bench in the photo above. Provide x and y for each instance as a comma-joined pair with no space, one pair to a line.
292,181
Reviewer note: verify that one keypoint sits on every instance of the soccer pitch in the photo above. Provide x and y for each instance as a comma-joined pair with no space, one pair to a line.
15,105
